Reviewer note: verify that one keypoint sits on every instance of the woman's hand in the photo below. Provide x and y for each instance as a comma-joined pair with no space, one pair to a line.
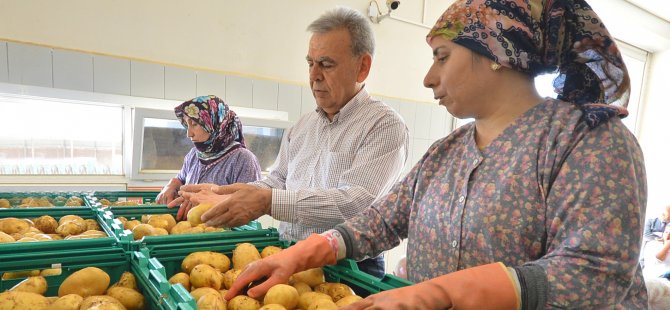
169,192
185,204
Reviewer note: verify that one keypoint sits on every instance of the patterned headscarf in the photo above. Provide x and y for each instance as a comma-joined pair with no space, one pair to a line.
542,36
222,124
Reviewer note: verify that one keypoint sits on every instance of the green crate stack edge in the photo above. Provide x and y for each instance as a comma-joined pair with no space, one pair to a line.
167,262
13,196
108,217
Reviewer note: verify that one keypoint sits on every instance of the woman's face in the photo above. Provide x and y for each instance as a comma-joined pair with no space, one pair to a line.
458,77
194,131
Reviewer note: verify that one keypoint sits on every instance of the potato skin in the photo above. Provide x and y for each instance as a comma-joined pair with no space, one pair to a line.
182,278
86,282
269,250
37,285
128,297
67,302
217,260
46,224
282,294
244,254
193,216
204,275
23,300
242,302
312,277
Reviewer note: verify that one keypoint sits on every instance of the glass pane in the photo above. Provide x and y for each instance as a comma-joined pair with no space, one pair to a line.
264,142
57,137
164,145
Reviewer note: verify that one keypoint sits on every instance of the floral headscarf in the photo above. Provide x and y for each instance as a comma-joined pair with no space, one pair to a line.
542,36
222,124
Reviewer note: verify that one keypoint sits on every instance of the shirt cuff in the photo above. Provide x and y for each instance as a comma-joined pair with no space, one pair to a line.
283,205
533,286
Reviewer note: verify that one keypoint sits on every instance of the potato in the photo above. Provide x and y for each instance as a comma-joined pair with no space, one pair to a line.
12,225
348,300
92,224
23,300
105,202
4,203
194,215
158,222
142,230
282,294
68,218
100,302
67,302
51,272
182,278
309,298
27,239
302,287
56,237
20,274
51,299
171,222
180,228
272,307
211,301
204,275
322,287
86,282
208,229
130,225
5,238
244,254
339,290
322,304
202,291
128,280
269,250
242,302
217,260
312,277
160,231
37,284
229,277
128,297
71,228
194,230
46,224
41,237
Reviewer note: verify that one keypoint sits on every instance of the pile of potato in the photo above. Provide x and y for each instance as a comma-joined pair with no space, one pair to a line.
163,224
208,276
46,228
87,288
44,201
120,203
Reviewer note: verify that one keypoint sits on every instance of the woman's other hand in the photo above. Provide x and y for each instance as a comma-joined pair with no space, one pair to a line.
169,192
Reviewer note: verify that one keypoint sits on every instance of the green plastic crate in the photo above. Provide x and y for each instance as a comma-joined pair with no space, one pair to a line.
13,255
114,262
143,198
14,199
345,271
108,216
160,293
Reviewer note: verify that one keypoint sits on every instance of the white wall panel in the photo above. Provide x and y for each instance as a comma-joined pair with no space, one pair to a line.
438,122
239,91
408,112
422,121
179,83
4,74
308,101
265,93
147,79
210,83
29,64
72,70
111,75
289,100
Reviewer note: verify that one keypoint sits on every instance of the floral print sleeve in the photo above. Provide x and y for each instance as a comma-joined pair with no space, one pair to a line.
548,194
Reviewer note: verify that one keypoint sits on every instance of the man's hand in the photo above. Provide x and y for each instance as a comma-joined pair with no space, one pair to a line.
186,204
239,204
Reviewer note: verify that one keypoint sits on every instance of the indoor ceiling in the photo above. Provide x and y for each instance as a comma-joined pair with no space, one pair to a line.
660,8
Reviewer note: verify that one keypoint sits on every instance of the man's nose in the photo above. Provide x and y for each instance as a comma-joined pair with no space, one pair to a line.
315,73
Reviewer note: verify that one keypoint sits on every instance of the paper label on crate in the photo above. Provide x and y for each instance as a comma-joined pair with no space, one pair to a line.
56,266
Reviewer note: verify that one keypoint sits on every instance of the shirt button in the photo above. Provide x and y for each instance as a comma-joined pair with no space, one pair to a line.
476,161
461,199
454,244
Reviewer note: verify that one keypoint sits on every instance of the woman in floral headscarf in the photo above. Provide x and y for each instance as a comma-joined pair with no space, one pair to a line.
538,203
219,155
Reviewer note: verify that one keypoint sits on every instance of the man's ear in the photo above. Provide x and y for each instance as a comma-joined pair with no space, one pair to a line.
364,67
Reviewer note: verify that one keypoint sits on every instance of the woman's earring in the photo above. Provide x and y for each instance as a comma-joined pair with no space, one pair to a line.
495,66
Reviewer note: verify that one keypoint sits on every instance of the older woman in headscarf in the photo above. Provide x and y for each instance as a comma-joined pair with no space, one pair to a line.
219,155
538,203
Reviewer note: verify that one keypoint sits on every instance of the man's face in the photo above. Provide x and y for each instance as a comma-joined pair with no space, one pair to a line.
334,72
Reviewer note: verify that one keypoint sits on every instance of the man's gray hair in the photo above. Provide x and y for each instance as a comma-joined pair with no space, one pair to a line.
362,38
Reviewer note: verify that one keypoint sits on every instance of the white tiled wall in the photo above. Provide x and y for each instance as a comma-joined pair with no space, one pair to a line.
41,66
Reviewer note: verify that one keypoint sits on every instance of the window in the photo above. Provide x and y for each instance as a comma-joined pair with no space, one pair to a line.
45,136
